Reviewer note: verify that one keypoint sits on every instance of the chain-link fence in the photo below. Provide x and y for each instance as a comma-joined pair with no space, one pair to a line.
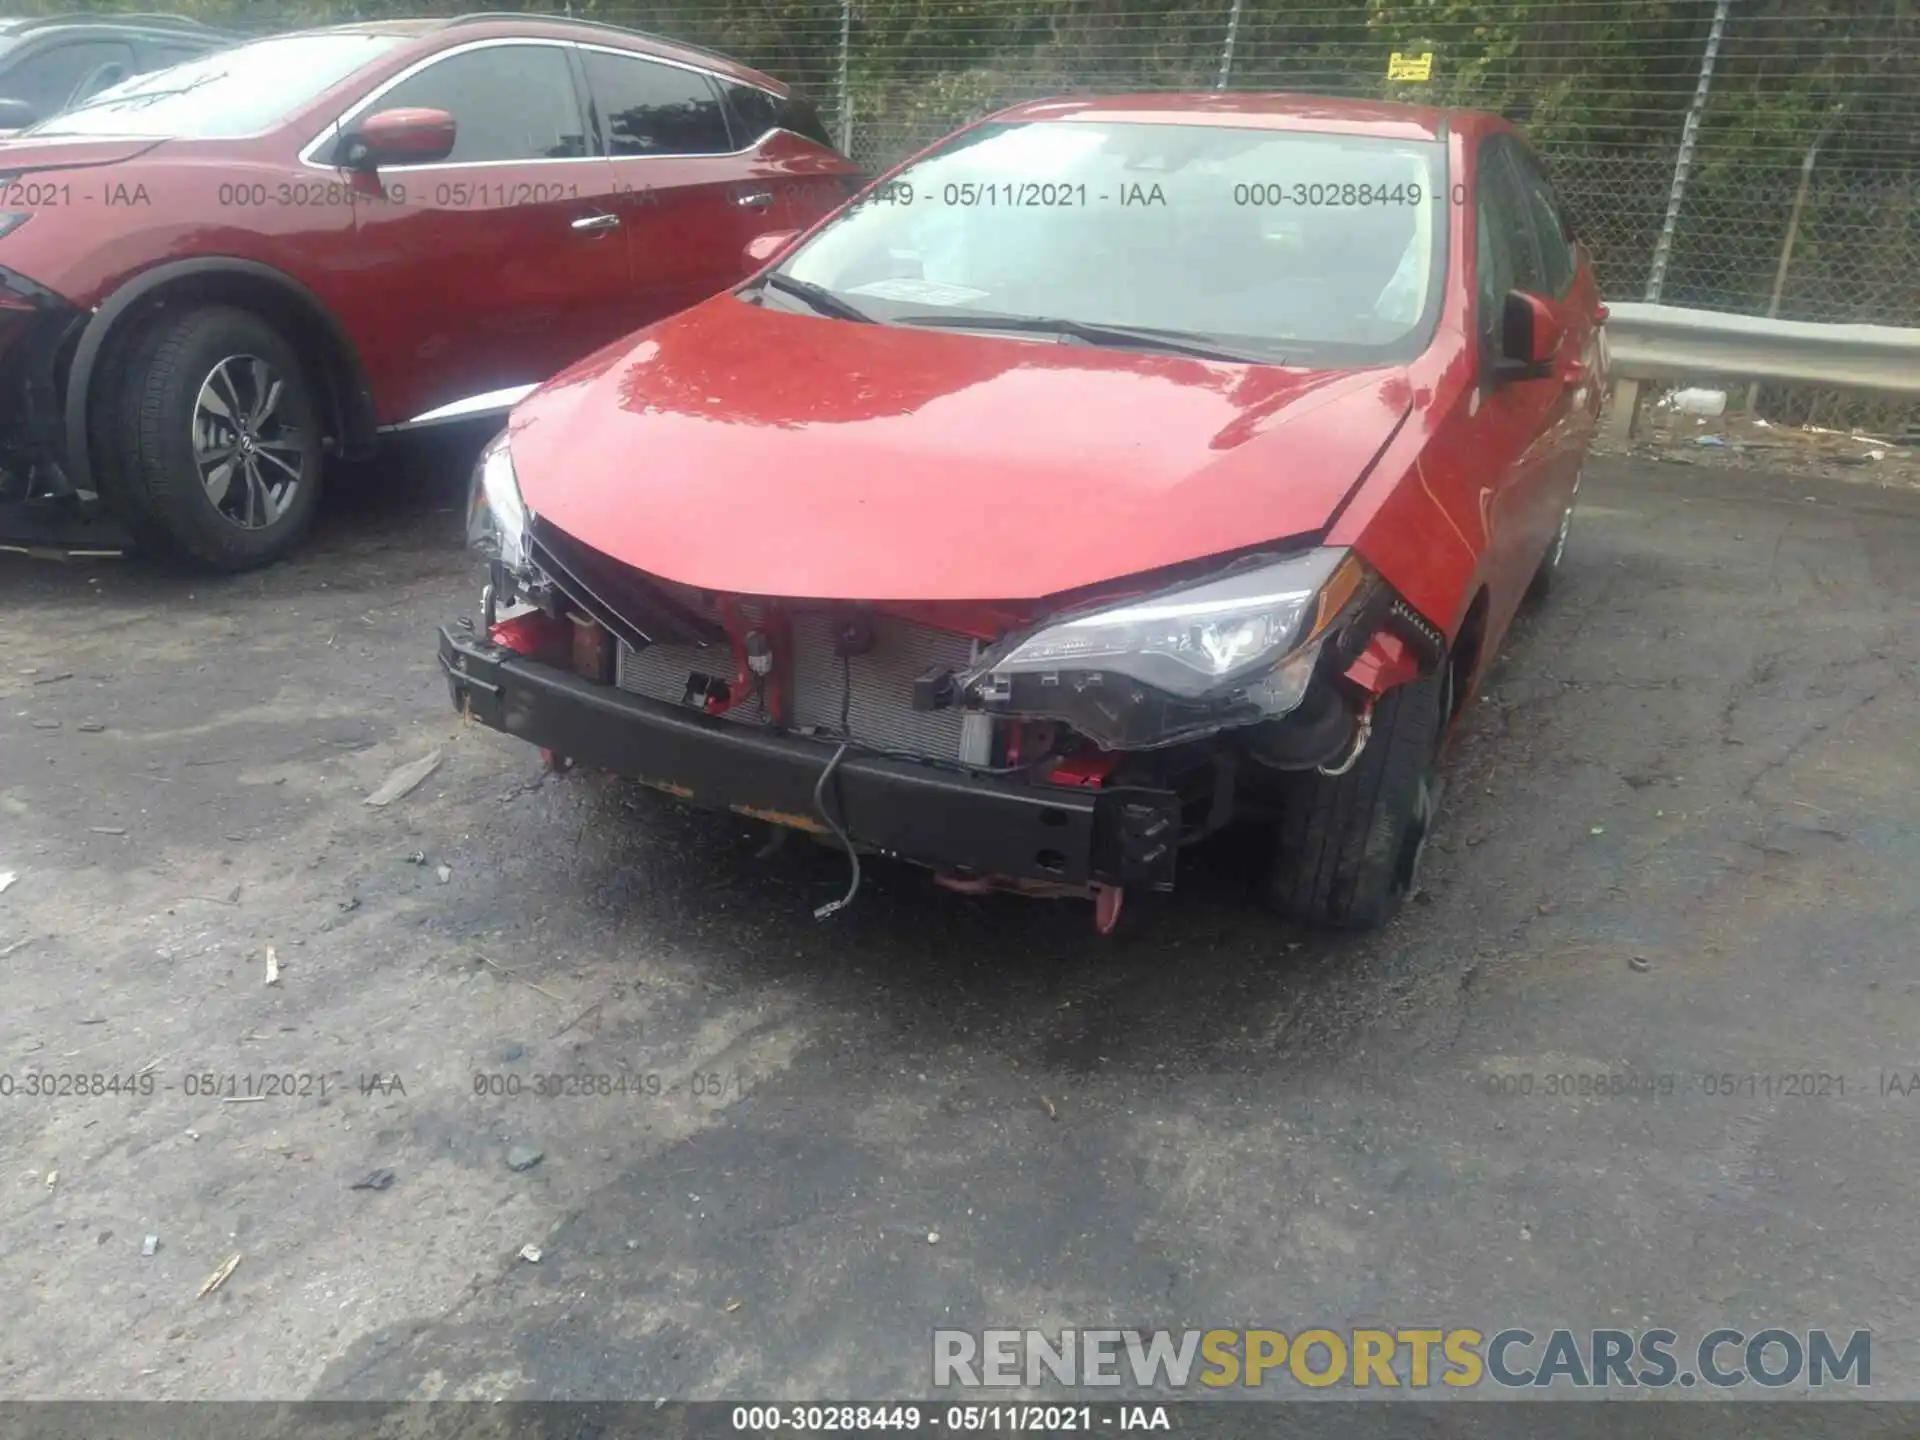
1757,156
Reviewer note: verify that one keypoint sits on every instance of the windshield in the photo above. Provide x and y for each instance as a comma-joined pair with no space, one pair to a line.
1290,245
241,91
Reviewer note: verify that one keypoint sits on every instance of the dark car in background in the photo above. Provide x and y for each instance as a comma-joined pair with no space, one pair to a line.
49,62
214,277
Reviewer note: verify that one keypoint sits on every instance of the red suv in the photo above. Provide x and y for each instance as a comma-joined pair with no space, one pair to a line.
215,275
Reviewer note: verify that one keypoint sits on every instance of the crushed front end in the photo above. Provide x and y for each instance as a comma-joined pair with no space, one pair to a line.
1070,747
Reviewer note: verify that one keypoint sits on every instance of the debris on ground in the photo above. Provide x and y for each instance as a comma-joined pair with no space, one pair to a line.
404,780
219,1277
150,1246
446,874
733,1305
7,877
1640,963
524,1157
90,727
108,829
377,1180
1696,401
53,679
53,1178
418,857
273,967
530,1254
933,1237
1678,436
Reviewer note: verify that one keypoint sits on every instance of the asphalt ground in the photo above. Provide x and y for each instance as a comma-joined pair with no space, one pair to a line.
1678,853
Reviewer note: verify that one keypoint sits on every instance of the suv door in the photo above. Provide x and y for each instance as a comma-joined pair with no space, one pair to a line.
487,272
695,200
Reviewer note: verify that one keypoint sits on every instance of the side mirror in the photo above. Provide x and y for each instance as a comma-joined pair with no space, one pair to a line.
398,137
765,249
1530,338
16,114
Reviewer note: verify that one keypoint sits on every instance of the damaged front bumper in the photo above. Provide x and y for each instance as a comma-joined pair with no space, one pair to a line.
958,822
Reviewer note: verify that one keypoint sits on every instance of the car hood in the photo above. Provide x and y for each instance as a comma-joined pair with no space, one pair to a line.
23,154
754,451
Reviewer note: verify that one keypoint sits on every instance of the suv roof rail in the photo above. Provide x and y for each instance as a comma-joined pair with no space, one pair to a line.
135,19
476,17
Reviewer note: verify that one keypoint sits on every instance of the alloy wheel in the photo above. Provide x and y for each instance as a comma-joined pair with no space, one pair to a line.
250,457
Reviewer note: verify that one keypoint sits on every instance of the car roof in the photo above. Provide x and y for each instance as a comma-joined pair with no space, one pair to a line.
1264,110
503,25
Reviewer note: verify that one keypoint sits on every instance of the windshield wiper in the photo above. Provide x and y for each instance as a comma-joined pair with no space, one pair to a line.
1172,342
817,296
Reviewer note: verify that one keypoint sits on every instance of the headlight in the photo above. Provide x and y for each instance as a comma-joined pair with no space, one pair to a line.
496,516
1236,649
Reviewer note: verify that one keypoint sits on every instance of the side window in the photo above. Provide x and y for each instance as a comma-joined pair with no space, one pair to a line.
1494,246
1549,224
1505,213
508,102
652,109
53,78
756,111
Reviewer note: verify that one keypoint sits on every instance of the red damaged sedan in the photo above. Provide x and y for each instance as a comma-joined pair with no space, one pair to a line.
1113,470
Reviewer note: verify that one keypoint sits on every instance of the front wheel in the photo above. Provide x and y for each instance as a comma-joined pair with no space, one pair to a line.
216,439
1349,846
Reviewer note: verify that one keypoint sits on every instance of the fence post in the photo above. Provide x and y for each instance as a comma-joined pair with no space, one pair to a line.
845,86
1226,48
1689,135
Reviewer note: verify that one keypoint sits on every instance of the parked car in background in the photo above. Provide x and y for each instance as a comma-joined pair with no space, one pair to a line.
213,276
1115,470
49,62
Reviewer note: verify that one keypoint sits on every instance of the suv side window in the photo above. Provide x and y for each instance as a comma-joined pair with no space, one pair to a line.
647,108
50,79
508,102
1548,223
755,111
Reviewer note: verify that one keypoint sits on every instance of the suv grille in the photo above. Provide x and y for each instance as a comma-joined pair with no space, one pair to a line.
878,685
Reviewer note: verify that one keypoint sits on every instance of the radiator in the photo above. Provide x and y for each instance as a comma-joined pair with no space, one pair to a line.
878,686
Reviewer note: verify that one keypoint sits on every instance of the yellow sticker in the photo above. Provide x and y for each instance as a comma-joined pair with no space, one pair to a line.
1410,67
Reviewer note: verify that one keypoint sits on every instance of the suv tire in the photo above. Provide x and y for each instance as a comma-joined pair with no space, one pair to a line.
212,438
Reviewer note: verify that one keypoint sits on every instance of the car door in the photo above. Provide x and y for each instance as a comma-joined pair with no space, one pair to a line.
1515,416
1568,289
485,273
694,201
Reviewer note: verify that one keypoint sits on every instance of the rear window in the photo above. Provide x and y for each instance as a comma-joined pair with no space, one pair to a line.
240,91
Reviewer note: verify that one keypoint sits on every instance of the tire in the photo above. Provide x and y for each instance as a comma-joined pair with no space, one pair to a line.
1541,586
1348,846
210,439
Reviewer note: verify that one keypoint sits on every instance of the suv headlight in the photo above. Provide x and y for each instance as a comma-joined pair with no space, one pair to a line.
497,518
1233,650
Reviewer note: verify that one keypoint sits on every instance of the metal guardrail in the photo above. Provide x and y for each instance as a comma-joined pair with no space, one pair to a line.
1667,342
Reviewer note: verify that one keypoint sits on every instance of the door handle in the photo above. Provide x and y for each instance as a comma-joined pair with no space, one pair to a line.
754,199
597,221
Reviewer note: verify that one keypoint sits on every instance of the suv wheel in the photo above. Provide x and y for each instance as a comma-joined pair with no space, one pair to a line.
1349,845
215,439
